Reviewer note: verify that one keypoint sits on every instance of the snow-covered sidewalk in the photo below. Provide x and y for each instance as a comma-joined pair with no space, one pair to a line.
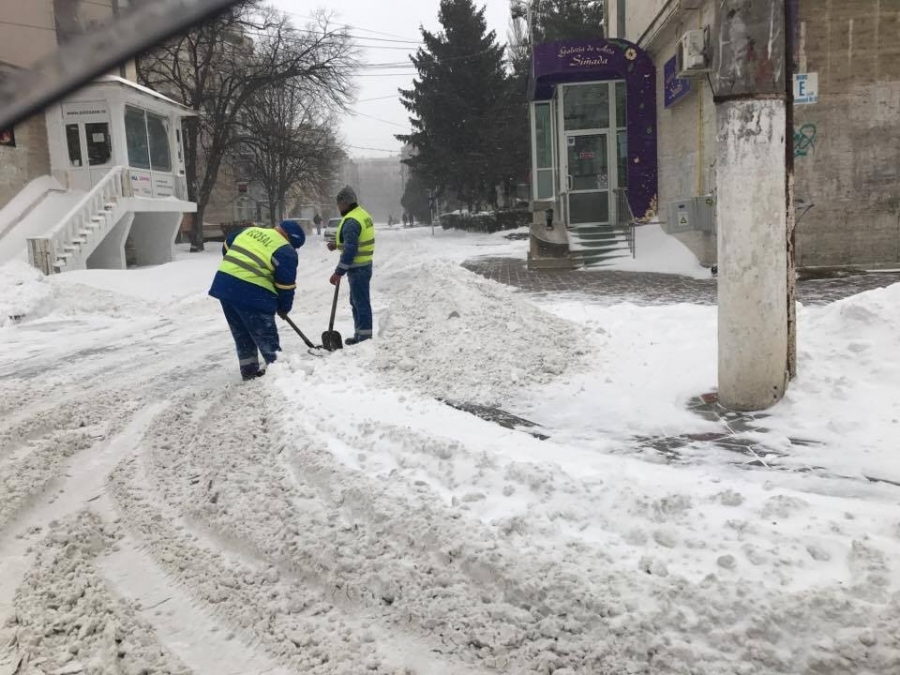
336,517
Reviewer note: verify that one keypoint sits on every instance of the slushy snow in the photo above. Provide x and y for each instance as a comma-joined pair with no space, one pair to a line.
336,518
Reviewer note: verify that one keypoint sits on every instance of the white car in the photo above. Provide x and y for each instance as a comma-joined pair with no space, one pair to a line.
330,231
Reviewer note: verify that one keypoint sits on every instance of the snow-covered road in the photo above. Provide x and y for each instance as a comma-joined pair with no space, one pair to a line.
335,517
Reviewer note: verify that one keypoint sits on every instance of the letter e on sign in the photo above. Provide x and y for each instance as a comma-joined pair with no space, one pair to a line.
806,88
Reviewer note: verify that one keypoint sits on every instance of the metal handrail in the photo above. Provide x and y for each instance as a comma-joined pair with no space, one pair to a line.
110,189
625,219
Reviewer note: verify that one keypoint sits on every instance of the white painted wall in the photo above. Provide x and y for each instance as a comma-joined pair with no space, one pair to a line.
110,254
639,14
153,235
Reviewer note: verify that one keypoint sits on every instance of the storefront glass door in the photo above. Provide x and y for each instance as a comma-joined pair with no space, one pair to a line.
587,161
589,149
88,142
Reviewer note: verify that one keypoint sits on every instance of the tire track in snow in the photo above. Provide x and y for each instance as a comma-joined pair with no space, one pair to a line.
473,600
37,452
198,641
85,478
228,573
67,619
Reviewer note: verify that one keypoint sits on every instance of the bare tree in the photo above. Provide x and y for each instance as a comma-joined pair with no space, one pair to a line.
218,68
286,140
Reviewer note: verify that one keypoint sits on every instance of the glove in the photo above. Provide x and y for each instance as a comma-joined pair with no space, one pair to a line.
331,246
282,314
335,279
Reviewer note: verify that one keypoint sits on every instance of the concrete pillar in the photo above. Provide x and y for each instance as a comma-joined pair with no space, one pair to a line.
153,236
110,254
753,325
750,90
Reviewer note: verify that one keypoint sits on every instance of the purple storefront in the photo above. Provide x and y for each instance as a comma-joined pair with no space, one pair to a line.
593,118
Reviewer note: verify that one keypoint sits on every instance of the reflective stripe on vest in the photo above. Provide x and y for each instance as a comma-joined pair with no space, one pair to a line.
366,251
249,258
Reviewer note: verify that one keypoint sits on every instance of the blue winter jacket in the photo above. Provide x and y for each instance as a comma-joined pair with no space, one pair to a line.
350,237
242,293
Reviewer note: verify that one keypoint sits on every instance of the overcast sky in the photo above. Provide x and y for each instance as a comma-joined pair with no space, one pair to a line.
373,21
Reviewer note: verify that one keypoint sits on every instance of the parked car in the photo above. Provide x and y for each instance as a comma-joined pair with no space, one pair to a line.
330,231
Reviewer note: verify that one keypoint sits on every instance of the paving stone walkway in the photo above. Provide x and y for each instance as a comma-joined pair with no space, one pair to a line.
739,440
612,287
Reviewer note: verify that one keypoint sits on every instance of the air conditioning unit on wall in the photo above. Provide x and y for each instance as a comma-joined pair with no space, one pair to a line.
692,58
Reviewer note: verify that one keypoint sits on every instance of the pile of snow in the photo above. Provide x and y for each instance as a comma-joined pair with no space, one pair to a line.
456,335
846,392
660,253
24,292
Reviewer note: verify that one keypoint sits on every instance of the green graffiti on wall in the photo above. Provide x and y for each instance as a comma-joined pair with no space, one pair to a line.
804,140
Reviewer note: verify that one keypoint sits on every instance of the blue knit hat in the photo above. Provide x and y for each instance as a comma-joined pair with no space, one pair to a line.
294,231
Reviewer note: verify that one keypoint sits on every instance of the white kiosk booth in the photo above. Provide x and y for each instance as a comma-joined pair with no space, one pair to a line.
120,145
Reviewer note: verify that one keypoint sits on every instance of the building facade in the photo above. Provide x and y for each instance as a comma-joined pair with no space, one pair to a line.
35,29
846,123
97,179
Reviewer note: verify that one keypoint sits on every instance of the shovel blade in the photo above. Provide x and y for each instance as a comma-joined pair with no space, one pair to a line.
332,340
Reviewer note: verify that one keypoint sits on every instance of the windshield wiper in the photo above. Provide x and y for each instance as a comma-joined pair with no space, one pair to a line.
86,57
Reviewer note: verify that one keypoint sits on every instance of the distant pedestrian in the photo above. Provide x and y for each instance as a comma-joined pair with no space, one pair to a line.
317,221
355,239
405,219
256,280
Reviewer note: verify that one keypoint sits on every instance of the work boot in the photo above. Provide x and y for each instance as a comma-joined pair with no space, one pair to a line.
355,340
253,376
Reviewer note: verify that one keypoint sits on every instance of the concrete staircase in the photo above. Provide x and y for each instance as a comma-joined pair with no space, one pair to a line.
598,245
79,233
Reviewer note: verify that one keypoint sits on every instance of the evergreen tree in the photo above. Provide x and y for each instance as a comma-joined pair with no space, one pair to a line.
460,108
415,198
556,20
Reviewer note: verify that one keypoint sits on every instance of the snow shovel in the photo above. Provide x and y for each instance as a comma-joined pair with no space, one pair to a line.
331,339
305,339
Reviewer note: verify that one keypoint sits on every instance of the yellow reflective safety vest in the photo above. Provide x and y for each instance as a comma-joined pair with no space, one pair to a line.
249,258
366,251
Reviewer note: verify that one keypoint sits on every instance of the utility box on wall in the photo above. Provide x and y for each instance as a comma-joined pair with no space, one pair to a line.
694,214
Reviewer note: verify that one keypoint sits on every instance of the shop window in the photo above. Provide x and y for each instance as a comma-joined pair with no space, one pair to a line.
543,150
136,138
99,145
73,141
586,107
158,133
622,158
621,107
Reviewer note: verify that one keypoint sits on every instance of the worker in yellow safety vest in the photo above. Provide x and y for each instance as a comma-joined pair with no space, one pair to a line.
256,280
355,239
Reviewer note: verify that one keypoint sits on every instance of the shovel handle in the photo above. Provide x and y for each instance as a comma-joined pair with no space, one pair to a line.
299,332
337,289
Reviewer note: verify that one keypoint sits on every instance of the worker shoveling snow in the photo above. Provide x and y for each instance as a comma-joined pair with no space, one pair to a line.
334,518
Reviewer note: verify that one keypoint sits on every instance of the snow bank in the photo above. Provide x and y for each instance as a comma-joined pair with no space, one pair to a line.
660,253
458,336
24,292
847,393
